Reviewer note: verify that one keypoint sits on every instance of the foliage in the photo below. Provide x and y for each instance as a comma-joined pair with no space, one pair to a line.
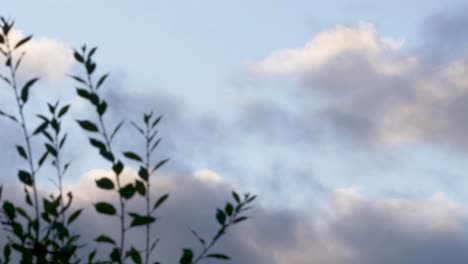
39,230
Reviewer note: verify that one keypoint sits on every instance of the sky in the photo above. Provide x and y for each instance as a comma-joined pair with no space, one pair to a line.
346,118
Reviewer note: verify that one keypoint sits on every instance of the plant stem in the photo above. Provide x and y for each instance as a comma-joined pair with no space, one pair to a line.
26,134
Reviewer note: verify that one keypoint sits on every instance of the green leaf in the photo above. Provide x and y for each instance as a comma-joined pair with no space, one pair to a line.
74,216
83,93
135,255
187,256
51,150
22,152
127,191
101,81
133,156
115,255
101,109
157,166
9,209
78,56
160,201
140,187
23,41
220,216
118,167
26,87
143,173
142,220
63,111
105,183
25,177
236,196
88,125
105,208
107,155
218,256
229,209
240,219
105,239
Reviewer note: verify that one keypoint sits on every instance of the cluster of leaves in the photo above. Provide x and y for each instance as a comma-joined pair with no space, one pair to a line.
41,232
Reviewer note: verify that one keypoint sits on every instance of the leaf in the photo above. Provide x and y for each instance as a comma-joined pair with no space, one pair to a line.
91,52
218,256
116,129
229,209
63,111
43,158
202,241
105,239
2,40
140,187
25,90
118,167
23,41
98,144
142,220
187,256
51,150
156,121
78,56
41,128
90,67
220,217
88,125
135,255
132,155
137,128
155,144
105,183
62,142
105,208
25,177
147,117
101,81
74,216
22,152
83,93
101,109
78,79
240,219
107,155
127,191
160,164
143,173
115,255
160,201
236,196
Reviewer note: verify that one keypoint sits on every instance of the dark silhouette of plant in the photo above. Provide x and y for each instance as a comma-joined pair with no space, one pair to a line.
41,232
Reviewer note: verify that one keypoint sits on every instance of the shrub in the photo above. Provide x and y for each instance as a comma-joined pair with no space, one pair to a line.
39,230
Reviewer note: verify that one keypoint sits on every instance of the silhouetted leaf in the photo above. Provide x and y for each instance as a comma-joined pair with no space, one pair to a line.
127,191
142,220
157,166
137,128
143,173
218,256
200,239
105,183
25,177
23,41
160,201
105,208
88,125
220,216
78,56
22,152
236,196
187,256
26,87
140,187
63,111
43,158
132,155
51,150
83,93
101,109
9,209
97,143
156,121
41,128
240,219
118,167
105,239
116,129
107,155
135,255
115,255
229,209
101,81
74,216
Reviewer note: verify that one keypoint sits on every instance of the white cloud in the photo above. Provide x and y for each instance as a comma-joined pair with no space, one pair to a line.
45,57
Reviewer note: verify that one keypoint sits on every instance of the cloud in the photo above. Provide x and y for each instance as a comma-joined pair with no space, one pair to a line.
349,227
45,57
367,88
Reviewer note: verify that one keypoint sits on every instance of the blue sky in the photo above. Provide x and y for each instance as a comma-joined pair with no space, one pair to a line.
270,95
